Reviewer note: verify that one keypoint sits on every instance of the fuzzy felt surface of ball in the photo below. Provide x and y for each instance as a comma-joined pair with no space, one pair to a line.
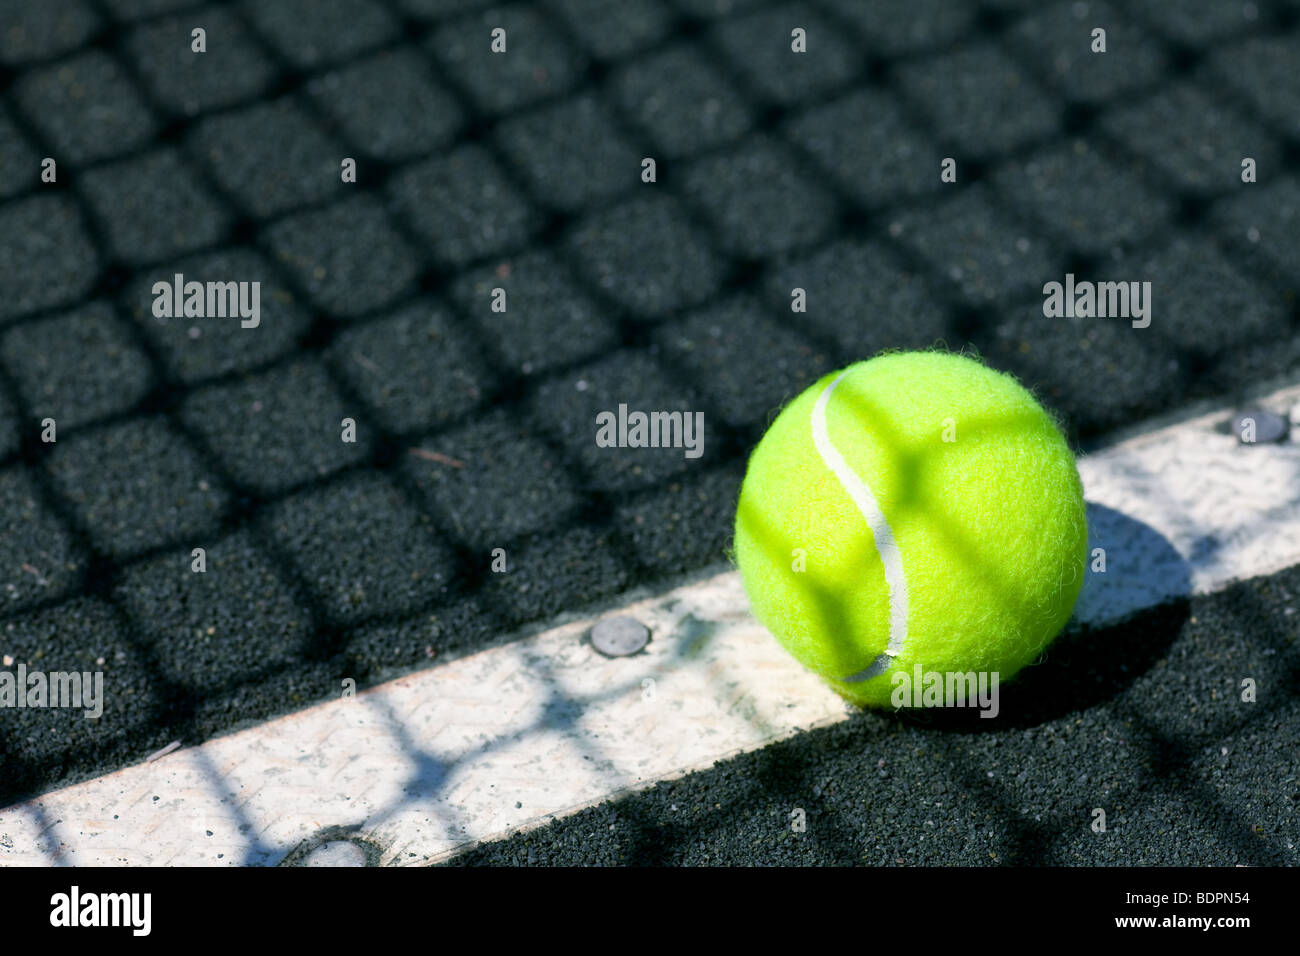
919,508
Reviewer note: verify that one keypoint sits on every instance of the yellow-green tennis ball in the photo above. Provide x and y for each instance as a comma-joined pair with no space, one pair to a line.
916,509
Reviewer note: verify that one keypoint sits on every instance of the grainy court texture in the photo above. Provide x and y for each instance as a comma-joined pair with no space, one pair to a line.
467,246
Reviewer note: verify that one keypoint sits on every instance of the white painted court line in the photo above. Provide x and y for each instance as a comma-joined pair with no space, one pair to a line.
431,762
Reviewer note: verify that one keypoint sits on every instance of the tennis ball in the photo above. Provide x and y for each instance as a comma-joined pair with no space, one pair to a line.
917,508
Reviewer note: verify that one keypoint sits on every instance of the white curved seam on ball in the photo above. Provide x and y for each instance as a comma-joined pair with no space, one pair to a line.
890,557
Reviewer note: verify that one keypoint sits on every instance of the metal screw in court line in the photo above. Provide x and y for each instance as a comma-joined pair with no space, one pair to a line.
335,846
1268,426
619,636
337,853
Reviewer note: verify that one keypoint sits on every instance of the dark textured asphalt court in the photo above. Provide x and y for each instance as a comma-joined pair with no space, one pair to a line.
329,560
